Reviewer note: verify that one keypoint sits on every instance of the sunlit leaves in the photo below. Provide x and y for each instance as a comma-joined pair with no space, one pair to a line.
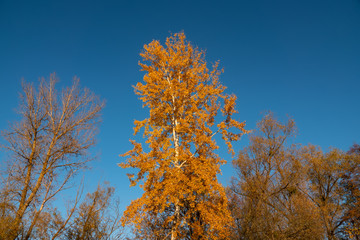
179,171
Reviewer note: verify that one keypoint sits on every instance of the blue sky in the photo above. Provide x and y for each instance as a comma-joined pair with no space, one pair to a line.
296,58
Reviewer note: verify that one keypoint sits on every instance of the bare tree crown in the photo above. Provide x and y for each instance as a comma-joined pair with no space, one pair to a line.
48,146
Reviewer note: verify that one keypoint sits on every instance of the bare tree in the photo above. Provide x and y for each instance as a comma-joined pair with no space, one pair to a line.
48,147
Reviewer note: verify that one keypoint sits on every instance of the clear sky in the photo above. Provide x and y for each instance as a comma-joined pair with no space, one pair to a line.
296,58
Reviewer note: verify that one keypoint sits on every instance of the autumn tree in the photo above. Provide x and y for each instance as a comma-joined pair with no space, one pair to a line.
265,199
98,217
351,186
178,169
47,147
325,171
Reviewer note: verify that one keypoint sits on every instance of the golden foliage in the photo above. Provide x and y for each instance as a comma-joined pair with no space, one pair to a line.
179,171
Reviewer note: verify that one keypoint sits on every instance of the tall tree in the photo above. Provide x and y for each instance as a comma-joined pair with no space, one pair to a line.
179,172
48,146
